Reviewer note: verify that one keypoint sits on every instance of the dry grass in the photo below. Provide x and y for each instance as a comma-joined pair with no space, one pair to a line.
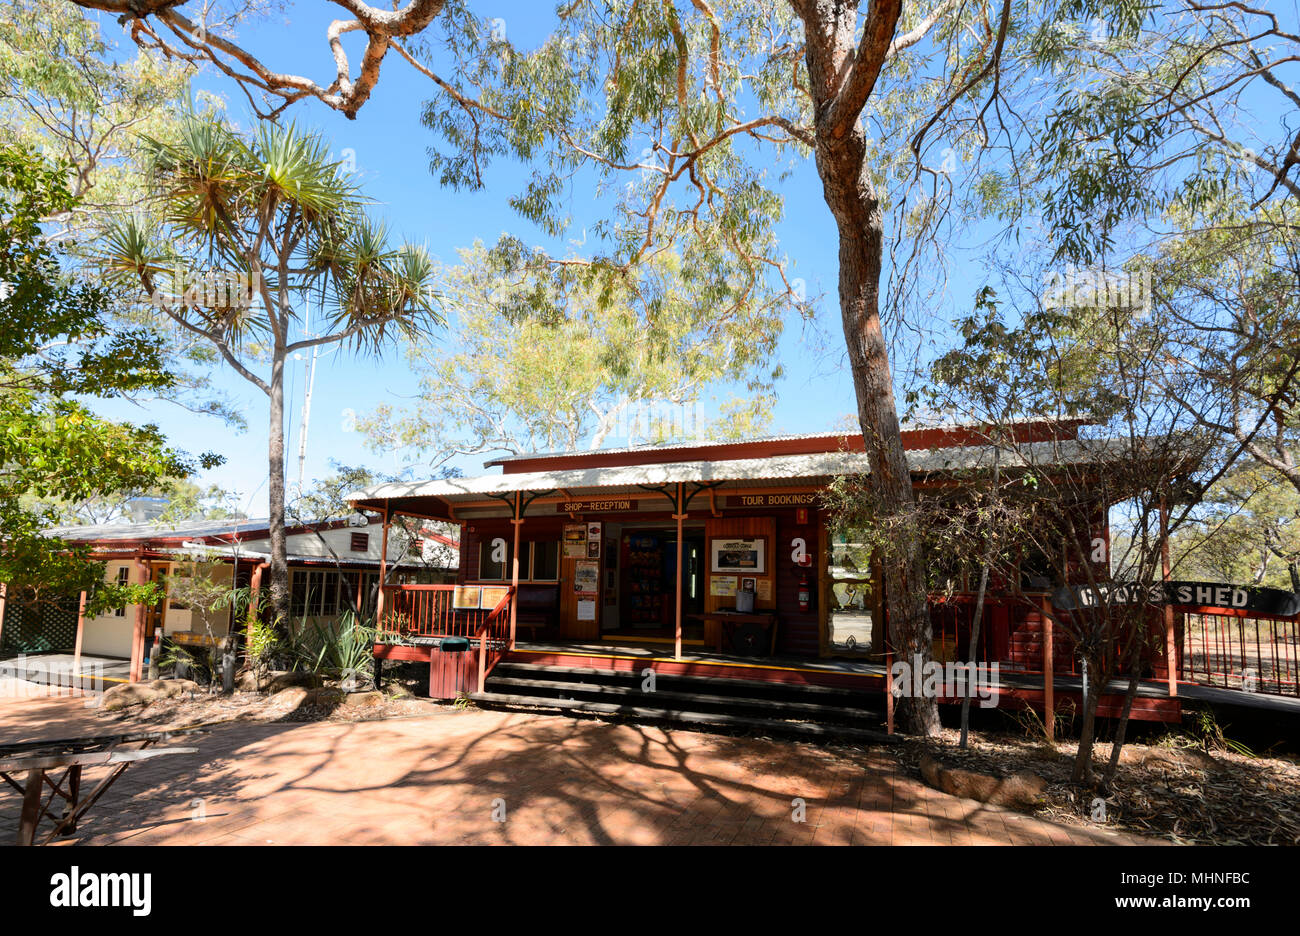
1173,790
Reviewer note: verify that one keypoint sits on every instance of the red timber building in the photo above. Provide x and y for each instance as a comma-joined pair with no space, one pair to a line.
710,569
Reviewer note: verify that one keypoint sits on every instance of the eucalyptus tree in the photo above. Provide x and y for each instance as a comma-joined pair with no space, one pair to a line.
70,92
511,382
244,234
1177,150
678,107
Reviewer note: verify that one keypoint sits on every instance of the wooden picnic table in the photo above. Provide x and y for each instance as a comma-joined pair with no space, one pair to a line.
36,761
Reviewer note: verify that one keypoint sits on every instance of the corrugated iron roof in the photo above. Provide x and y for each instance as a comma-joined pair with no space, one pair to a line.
668,447
917,424
810,468
148,531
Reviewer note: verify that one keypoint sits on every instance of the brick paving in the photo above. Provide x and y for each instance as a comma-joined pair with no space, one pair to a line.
447,778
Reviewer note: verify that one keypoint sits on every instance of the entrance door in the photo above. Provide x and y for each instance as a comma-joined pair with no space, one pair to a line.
648,578
853,601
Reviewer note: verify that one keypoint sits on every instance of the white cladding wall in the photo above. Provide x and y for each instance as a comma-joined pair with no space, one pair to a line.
110,634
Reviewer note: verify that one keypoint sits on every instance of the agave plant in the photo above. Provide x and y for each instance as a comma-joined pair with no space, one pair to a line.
282,230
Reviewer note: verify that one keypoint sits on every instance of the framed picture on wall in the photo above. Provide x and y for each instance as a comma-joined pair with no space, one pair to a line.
749,584
466,597
739,555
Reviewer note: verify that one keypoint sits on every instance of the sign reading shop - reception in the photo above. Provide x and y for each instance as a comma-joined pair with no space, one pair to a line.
1251,599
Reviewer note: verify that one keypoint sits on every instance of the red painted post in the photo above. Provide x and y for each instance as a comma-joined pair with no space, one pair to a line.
254,589
1171,650
1049,678
889,691
518,522
81,628
383,571
482,656
137,638
679,516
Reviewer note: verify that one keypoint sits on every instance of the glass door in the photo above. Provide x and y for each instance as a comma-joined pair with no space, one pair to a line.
853,619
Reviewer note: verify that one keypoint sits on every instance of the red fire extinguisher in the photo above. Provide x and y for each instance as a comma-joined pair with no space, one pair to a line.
805,596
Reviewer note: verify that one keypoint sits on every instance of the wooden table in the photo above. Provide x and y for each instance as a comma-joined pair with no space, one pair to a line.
725,617
38,759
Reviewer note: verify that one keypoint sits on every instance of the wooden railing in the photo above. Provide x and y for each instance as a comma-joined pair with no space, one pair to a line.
1215,647
426,611
1252,653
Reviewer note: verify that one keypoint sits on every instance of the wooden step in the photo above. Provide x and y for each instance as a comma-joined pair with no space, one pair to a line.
687,699
716,683
740,722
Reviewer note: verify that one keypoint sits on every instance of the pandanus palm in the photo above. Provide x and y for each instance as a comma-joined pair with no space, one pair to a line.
242,235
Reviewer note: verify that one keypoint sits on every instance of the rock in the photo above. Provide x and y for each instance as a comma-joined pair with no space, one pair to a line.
398,691
286,700
1139,755
1020,791
144,693
324,696
246,681
369,699
283,679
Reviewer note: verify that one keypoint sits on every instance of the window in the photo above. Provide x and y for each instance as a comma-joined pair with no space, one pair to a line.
360,542
539,561
123,578
313,593
546,561
490,570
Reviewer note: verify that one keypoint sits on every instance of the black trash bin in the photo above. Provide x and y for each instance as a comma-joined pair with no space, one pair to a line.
453,670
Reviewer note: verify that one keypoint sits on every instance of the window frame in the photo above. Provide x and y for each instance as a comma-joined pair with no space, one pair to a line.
527,564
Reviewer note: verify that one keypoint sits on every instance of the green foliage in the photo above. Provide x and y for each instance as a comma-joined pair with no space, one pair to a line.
1207,730
650,106
343,648
56,348
518,382
274,217
69,92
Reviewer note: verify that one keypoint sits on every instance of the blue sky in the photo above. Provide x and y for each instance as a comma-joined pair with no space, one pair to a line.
389,145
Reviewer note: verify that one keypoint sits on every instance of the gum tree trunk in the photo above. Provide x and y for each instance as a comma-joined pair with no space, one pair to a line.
833,51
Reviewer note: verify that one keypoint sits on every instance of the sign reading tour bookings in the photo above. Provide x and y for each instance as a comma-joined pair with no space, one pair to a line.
771,500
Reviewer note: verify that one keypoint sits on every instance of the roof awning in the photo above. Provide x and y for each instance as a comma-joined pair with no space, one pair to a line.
438,499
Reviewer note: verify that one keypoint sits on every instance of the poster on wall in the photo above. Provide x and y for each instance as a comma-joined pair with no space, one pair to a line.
723,586
493,595
586,577
466,597
587,609
764,589
575,541
739,555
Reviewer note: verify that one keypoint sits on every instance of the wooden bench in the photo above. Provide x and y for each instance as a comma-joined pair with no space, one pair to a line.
538,608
